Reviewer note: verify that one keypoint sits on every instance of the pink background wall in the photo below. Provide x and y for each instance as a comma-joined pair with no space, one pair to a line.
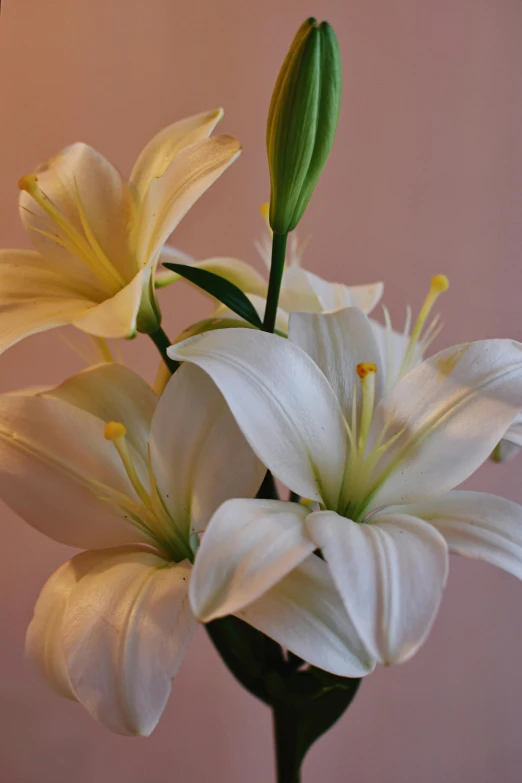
426,177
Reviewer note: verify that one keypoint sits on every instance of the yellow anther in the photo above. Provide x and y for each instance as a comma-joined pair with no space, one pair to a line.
114,430
29,182
265,210
439,284
365,368
265,214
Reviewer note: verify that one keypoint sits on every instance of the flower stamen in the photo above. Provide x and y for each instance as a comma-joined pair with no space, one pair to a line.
439,284
366,372
115,431
92,256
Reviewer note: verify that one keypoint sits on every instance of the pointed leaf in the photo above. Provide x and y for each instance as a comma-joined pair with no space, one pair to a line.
223,290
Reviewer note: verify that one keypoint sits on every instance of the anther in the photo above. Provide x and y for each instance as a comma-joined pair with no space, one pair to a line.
114,430
29,183
439,284
265,210
365,368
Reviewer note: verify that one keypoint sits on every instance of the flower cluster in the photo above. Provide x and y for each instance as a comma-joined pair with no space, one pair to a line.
161,490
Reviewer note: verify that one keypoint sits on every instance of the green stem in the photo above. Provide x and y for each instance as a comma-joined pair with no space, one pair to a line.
162,342
288,761
274,283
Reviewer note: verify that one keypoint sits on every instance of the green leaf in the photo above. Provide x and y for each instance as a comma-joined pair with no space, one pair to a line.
223,290
249,654
298,724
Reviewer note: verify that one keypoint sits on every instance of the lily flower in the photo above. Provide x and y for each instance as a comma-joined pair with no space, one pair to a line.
301,291
101,463
381,467
98,238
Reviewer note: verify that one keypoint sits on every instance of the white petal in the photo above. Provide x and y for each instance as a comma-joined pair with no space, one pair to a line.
43,640
282,402
477,525
390,573
452,410
338,342
59,473
34,297
514,433
116,316
297,292
393,346
158,154
125,628
113,392
199,456
80,179
305,291
170,196
249,546
304,613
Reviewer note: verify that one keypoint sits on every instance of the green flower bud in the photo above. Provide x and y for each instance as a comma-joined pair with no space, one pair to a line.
302,121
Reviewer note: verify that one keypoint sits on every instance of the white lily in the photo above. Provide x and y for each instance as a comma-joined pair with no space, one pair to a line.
381,466
98,239
301,291
111,626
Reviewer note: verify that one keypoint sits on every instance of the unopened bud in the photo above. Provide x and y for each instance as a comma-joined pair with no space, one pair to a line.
302,121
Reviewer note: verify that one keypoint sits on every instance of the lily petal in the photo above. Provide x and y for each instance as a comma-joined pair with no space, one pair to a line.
113,392
451,410
34,297
393,346
390,573
170,196
124,630
302,290
282,402
199,455
476,525
305,614
159,153
88,192
59,473
43,639
248,547
514,433
338,342
117,315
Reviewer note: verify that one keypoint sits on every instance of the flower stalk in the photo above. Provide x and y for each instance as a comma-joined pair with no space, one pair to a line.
274,283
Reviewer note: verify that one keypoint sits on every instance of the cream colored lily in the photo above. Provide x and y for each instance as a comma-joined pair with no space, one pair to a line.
103,464
301,291
381,468
98,239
